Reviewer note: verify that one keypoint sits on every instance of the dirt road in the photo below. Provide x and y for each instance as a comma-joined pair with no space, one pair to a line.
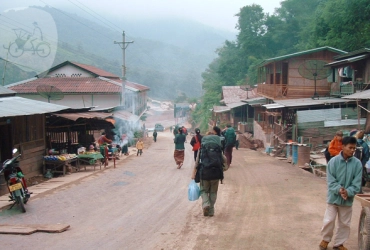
142,204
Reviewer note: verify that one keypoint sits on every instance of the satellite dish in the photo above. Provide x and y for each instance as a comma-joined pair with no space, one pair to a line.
50,92
314,70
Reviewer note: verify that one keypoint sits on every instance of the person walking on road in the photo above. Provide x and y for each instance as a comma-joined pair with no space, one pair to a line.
139,147
195,142
179,152
344,174
217,131
155,135
230,139
209,181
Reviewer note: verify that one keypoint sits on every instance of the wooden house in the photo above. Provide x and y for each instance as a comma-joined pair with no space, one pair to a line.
22,126
280,77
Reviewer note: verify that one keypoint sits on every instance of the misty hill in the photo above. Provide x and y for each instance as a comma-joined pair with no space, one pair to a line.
167,55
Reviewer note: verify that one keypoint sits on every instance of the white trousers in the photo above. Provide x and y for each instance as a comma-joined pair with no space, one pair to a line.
344,222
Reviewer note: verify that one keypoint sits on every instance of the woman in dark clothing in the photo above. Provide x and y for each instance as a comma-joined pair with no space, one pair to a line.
179,153
195,142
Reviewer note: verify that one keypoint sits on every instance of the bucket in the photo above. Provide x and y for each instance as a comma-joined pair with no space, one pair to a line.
303,155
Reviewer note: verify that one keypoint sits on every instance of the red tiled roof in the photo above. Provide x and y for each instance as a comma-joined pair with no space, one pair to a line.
135,85
69,85
96,70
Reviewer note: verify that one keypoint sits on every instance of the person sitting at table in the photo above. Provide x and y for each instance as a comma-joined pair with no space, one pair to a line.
92,149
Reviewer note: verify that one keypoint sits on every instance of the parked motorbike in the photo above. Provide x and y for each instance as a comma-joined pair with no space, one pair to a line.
15,181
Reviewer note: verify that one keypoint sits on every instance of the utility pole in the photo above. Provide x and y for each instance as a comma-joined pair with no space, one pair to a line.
6,62
123,46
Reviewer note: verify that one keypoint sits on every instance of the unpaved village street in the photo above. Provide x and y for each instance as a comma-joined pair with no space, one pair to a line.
263,204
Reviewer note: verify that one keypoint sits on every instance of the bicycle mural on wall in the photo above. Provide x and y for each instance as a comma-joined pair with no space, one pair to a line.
27,41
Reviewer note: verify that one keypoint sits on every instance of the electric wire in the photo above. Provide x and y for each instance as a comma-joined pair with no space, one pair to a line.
100,19
111,39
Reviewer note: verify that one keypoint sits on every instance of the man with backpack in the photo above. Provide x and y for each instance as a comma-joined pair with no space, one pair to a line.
230,139
210,165
155,135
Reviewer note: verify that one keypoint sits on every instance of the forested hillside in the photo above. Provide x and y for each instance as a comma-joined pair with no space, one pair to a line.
296,25
167,55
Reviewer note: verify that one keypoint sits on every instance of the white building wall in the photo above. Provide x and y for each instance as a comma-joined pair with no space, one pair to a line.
68,70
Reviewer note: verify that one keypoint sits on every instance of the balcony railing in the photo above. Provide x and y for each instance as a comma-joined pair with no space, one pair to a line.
282,91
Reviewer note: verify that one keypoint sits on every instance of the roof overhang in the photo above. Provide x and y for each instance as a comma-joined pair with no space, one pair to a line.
85,115
235,104
220,109
359,95
273,106
347,60
18,106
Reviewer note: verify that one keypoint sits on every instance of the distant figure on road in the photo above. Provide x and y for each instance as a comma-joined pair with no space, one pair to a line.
171,129
195,142
344,174
139,147
155,135
179,153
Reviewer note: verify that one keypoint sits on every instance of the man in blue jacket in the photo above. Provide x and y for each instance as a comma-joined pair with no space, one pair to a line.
344,173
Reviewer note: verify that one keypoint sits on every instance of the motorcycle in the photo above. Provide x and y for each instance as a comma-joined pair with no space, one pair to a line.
15,182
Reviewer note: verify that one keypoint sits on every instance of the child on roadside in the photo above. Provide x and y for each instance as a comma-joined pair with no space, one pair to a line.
139,147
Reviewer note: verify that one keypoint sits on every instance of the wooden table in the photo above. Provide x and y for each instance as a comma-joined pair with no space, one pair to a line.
91,159
58,166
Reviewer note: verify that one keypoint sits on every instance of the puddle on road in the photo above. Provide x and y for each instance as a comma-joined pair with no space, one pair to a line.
121,183
129,173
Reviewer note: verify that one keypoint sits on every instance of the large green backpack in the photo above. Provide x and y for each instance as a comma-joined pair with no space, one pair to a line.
211,162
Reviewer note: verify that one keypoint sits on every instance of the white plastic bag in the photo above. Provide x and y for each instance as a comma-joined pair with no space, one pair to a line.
193,191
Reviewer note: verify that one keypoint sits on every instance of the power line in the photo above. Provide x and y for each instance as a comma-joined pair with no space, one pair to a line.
107,24
77,21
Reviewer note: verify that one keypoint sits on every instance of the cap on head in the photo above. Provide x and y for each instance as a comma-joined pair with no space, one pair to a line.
91,147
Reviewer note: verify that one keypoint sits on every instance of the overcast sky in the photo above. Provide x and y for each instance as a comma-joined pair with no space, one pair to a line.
215,13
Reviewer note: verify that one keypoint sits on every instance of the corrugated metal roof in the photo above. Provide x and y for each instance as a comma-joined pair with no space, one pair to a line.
220,109
359,95
348,60
346,122
273,106
235,104
18,106
279,58
319,115
353,53
125,115
310,102
6,91
86,115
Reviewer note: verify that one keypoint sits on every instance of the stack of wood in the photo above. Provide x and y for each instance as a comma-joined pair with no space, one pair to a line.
246,140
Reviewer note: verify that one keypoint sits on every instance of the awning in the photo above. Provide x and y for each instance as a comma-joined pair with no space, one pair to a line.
235,104
125,115
18,106
273,106
85,115
221,109
347,60
359,95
